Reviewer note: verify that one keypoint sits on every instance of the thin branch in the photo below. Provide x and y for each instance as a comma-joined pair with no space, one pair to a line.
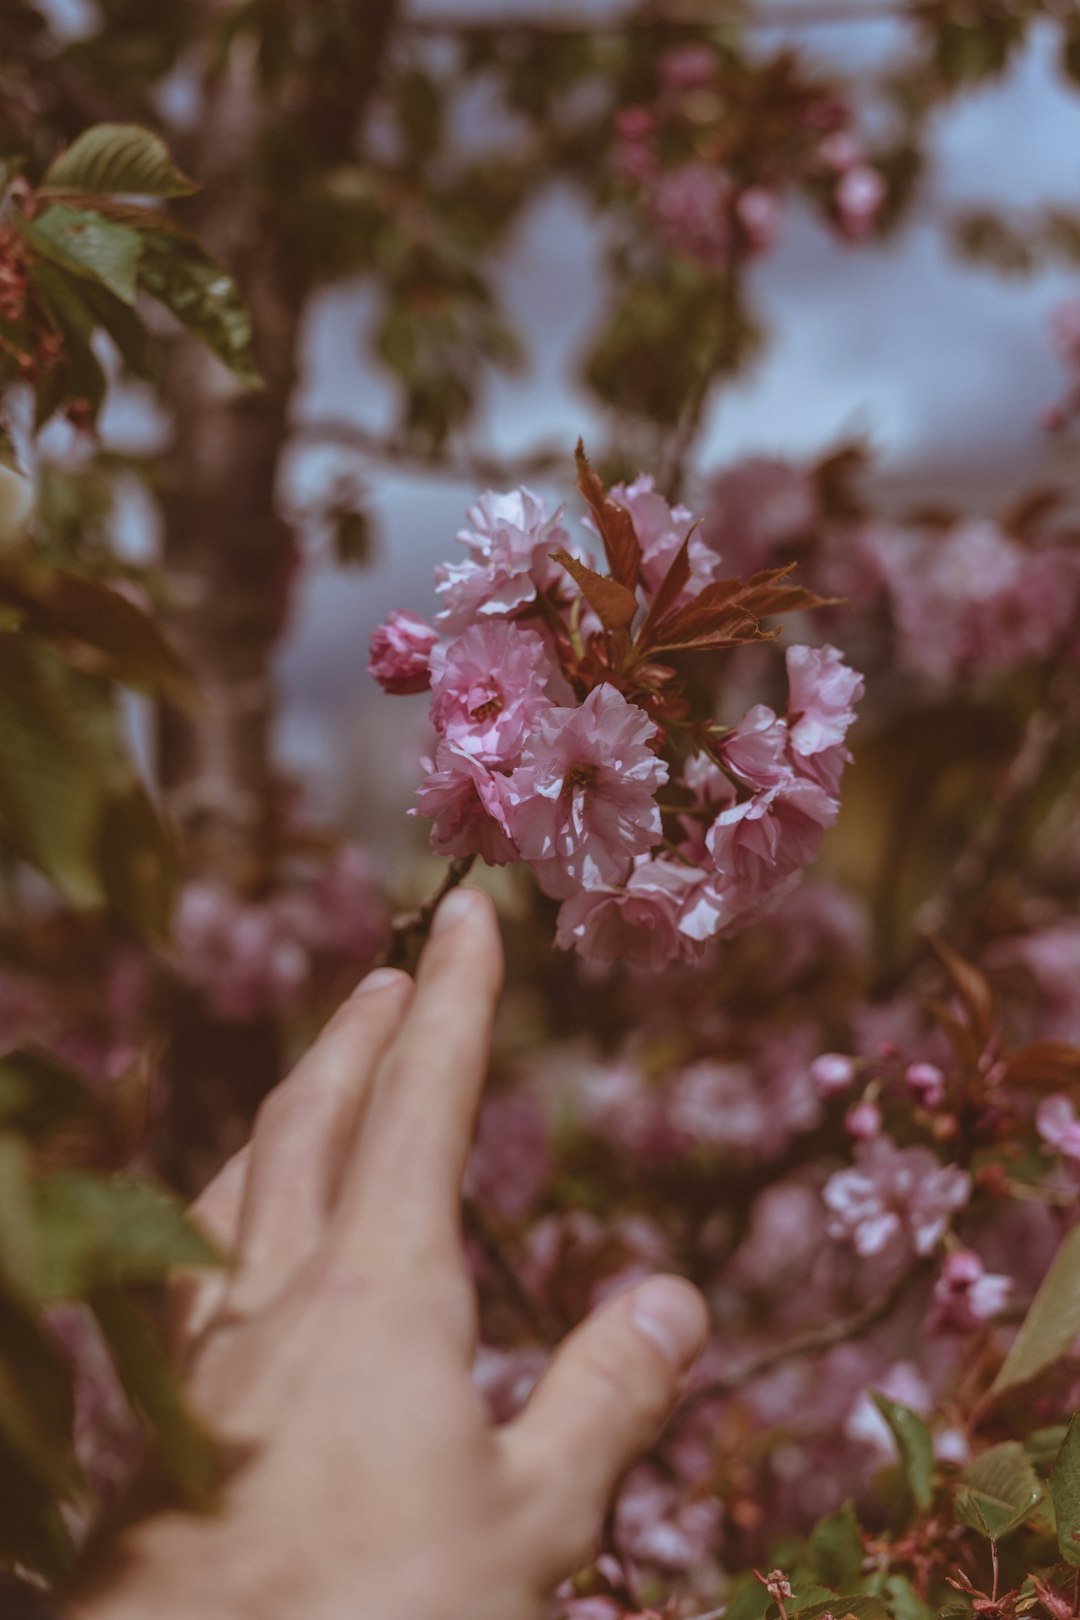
815,1341
410,929
675,19
469,466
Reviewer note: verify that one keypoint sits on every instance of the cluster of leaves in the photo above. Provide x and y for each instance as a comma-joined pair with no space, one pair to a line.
73,1228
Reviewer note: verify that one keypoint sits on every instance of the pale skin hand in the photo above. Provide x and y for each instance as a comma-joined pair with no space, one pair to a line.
337,1352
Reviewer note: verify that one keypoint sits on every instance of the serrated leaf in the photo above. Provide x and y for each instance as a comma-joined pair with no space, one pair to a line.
903,1602
180,274
1052,1322
915,1445
614,605
68,607
747,1599
616,526
834,1550
118,159
185,1449
52,790
999,1491
38,1093
100,1231
1065,1491
85,244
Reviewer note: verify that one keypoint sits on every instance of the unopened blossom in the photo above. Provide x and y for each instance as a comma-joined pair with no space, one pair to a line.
582,802
1057,1124
400,653
508,541
832,1072
467,804
647,922
489,688
859,197
926,1082
966,1294
894,1197
760,214
863,1121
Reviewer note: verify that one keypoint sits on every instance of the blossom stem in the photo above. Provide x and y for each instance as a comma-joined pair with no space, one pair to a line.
410,929
813,1342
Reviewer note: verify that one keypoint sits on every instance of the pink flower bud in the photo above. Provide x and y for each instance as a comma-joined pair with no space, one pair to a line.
863,1122
927,1082
832,1072
401,652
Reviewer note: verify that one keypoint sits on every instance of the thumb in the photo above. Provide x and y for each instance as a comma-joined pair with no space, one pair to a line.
601,1403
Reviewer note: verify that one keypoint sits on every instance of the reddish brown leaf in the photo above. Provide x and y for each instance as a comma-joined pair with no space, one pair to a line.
959,1036
615,605
671,588
1045,1066
615,524
970,986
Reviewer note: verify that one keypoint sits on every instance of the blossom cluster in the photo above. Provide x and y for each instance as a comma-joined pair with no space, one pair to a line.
567,740
716,204
963,598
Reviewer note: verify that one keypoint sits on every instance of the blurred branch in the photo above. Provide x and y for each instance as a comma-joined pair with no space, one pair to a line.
471,468
824,12
815,1341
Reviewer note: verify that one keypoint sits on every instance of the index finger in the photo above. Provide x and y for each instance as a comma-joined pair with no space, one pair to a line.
404,1184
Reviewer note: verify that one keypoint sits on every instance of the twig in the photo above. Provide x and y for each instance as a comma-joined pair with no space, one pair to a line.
468,466
674,19
409,929
811,1343
1050,728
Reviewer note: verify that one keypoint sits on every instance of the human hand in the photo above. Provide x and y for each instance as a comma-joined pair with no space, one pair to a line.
334,1359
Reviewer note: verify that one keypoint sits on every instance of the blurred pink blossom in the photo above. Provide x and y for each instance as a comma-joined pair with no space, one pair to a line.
400,650
894,1197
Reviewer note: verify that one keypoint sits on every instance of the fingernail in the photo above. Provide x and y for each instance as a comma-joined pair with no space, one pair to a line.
458,904
380,979
672,1314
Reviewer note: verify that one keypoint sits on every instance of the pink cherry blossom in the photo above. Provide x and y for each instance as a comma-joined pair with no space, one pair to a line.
690,204
966,1294
468,805
822,694
685,67
756,750
760,846
508,544
661,530
582,803
927,1083
643,922
400,653
1057,1124
489,690
511,1158
760,214
657,1521
863,1121
894,1197
757,507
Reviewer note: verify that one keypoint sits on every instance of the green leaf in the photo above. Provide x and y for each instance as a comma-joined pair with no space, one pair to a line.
903,1601
834,1551
747,1599
863,1605
37,1093
52,790
1065,1490
999,1491
138,861
63,605
118,159
36,1403
183,1446
915,1445
18,1231
85,244
1052,1322
99,1231
180,274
